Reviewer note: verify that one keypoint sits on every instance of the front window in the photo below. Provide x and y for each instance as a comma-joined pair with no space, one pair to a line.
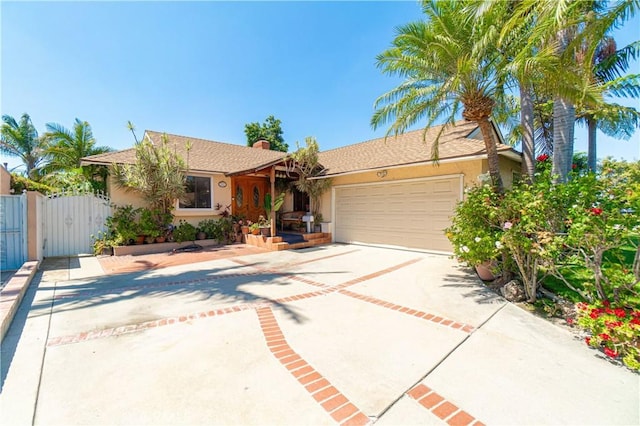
198,193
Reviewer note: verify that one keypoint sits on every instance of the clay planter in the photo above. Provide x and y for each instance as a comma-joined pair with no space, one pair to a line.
255,231
485,270
201,235
266,232
160,239
245,230
140,239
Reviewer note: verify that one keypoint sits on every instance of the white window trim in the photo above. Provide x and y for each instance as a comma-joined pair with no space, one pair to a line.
196,211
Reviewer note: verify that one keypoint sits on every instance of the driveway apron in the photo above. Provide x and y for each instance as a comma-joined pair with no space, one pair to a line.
340,334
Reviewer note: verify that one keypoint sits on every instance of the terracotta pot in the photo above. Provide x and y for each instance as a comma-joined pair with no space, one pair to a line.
140,239
255,231
160,239
201,235
265,232
485,270
245,230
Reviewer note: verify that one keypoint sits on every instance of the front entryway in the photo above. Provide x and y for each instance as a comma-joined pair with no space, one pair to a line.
248,196
407,213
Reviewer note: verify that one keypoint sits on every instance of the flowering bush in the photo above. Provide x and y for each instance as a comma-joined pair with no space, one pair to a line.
475,229
615,330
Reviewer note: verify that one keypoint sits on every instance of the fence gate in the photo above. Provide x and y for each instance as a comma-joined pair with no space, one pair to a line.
69,221
13,231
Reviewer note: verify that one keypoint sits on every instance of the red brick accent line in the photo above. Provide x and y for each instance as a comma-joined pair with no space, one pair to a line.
442,408
419,314
331,399
376,274
134,328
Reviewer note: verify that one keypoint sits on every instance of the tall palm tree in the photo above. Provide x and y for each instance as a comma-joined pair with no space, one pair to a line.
67,147
609,68
569,32
20,139
446,72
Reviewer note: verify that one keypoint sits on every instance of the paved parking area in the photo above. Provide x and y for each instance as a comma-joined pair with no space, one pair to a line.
331,335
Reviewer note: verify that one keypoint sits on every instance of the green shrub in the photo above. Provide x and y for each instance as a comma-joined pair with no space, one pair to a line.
184,232
21,183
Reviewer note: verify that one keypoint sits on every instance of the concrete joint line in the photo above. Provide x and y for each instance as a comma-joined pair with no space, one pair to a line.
44,349
446,356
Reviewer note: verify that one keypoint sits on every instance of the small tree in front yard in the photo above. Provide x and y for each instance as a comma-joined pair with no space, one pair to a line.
308,167
159,175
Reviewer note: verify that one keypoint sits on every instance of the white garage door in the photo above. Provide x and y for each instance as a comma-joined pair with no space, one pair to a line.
412,213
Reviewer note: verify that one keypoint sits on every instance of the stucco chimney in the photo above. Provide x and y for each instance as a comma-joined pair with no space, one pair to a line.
261,144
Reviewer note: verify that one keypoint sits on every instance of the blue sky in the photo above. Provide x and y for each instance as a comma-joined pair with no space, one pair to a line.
205,69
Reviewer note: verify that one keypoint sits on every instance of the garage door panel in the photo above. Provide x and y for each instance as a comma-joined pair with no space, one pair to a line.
410,214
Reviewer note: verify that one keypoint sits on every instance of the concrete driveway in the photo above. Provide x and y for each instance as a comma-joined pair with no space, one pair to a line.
332,335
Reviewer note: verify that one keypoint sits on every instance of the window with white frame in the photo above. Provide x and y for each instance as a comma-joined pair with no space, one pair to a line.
198,194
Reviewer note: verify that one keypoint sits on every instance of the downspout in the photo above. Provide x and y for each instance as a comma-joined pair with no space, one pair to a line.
272,179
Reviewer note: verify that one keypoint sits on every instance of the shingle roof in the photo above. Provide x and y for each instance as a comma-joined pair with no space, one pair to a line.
205,155
408,148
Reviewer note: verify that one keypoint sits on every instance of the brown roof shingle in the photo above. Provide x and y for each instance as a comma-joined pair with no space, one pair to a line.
408,148
205,155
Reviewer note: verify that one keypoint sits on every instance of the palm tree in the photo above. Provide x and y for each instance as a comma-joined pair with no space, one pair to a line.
614,120
565,37
20,139
445,70
66,148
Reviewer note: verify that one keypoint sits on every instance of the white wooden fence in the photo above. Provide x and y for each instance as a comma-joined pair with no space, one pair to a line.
70,219
13,231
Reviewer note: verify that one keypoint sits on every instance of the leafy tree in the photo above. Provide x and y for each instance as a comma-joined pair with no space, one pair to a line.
270,130
446,68
20,139
66,148
308,167
159,175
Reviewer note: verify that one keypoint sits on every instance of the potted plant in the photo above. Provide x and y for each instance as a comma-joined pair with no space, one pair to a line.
149,226
245,227
254,228
265,226
476,232
184,232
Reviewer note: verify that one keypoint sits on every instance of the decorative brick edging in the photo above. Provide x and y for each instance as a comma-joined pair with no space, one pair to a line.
442,408
331,399
403,309
133,328
376,274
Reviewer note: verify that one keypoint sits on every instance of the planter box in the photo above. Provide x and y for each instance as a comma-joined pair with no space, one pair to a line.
158,247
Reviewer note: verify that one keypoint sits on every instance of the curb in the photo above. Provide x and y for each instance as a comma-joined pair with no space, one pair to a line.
13,292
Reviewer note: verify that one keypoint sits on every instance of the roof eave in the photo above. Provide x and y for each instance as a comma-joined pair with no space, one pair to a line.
510,153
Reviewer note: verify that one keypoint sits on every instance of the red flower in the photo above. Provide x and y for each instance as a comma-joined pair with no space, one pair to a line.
587,340
574,166
635,314
612,324
609,311
596,211
542,157
610,352
595,313
635,321
620,312
604,336
607,304
570,321
583,306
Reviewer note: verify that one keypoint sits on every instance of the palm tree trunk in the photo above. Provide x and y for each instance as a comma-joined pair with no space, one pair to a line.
592,126
492,153
526,121
564,117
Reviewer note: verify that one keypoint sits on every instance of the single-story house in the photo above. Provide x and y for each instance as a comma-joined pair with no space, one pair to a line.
385,191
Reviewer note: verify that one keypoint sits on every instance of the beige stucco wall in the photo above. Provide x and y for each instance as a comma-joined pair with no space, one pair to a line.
121,197
35,236
5,181
507,169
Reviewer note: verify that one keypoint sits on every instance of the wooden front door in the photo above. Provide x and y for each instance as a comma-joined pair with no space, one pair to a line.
248,197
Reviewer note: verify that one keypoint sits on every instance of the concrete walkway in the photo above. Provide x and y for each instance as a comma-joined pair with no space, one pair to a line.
331,335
